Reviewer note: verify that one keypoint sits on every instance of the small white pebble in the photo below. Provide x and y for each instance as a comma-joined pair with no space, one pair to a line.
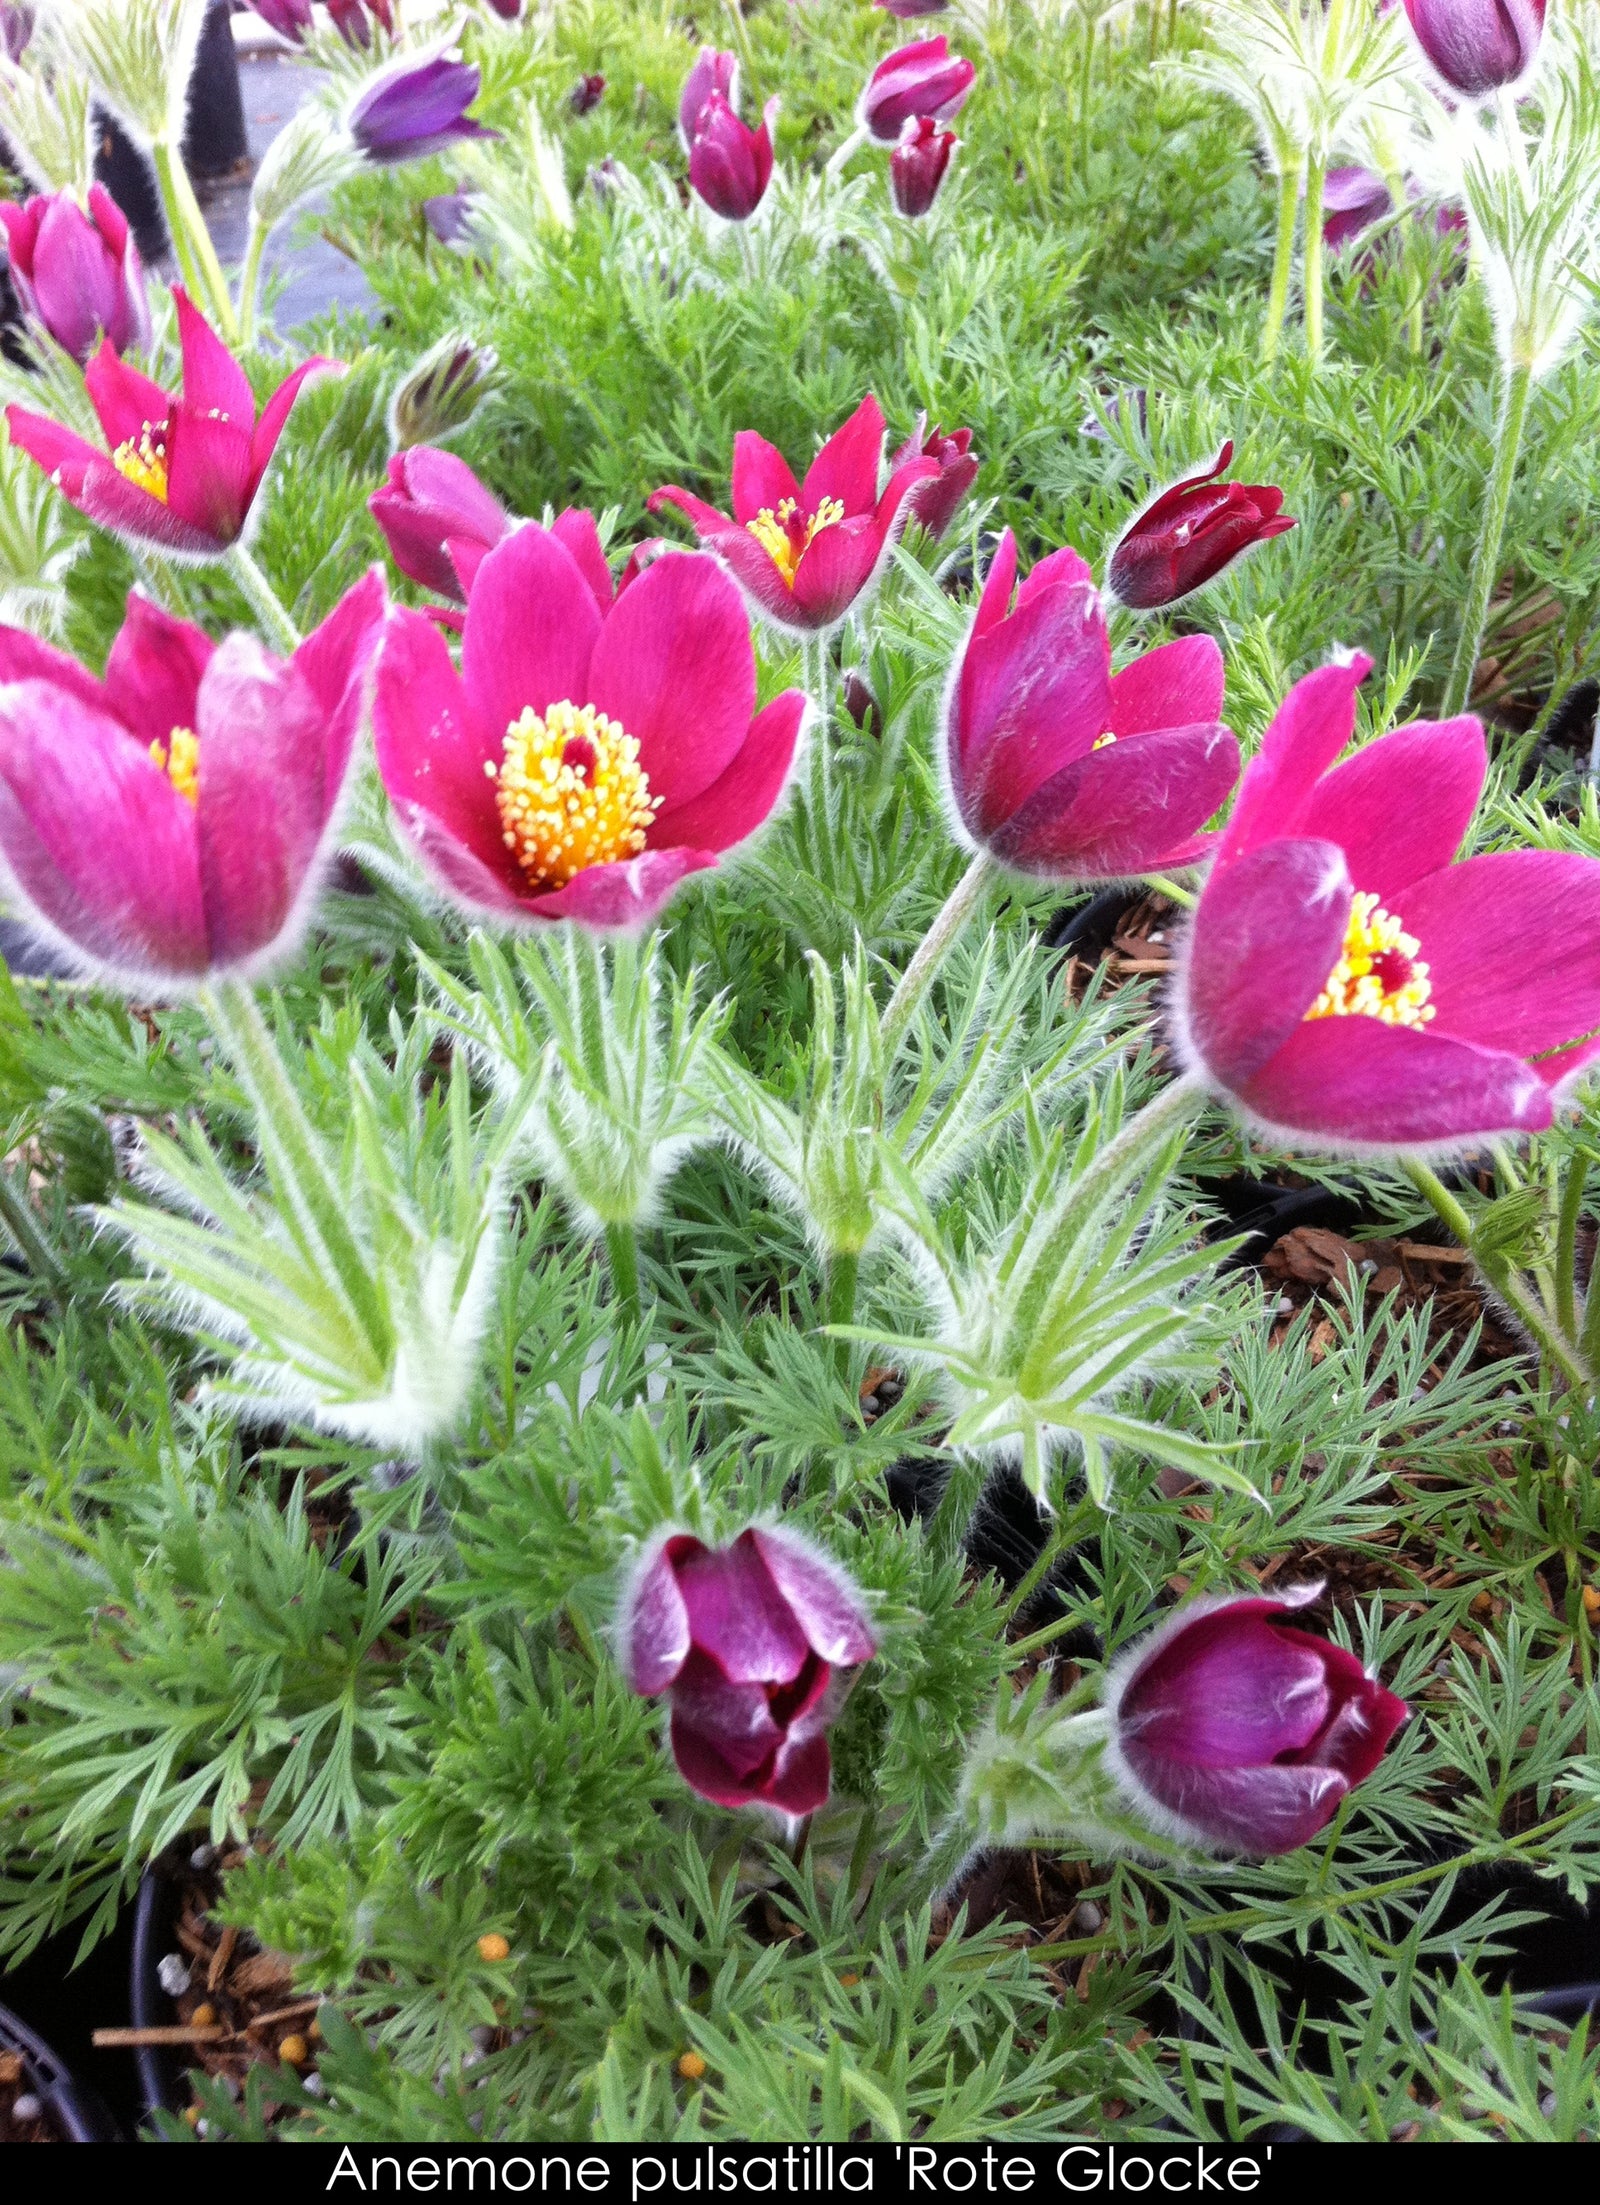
1506,1425
1441,1668
202,1857
1282,1306
1158,934
202,2127
313,2085
230,2084
26,2108
1547,2104
471,2059
172,1973
482,2036
1088,1918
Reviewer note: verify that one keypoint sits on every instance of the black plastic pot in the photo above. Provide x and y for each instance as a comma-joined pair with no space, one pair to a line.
160,2071
215,140
78,2111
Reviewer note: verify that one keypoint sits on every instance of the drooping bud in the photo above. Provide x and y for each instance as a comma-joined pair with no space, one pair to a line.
442,392
730,165
1185,537
923,79
917,166
1476,47
587,93
291,19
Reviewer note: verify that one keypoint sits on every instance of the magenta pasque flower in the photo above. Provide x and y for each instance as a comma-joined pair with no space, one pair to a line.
78,272
1352,200
1058,767
182,473
917,165
16,28
1476,46
923,79
909,10
1187,534
934,502
752,1645
715,74
415,108
730,165
438,519
172,821
1347,984
1234,1730
592,752
804,552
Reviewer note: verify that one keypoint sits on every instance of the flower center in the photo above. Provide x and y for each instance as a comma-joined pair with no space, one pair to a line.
784,533
143,459
1378,974
570,792
179,759
1102,742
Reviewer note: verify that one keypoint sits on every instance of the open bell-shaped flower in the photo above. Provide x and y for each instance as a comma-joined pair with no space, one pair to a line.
77,270
416,107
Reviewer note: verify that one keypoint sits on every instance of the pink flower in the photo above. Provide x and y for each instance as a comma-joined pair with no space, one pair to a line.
173,821
1187,534
1345,983
1233,1730
917,166
746,1642
78,274
730,165
714,74
1477,46
438,519
1058,767
180,473
934,502
923,79
804,552
592,752
1352,200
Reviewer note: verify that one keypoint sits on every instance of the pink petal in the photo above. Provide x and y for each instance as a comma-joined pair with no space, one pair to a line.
531,627
761,476
336,662
1254,1810
87,479
1064,565
275,416
576,529
674,664
1512,945
1400,807
1268,931
738,1617
1357,1082
766,593
621,897
821,1598
208,463
708,521
744,794
125,402
655,1622
801,1778
1227,1691
1122,810
1313,724
834,570
154,670
726,1745
1176,685
213,380
846,468
23,657
1033,693
995,601
431,755
97,842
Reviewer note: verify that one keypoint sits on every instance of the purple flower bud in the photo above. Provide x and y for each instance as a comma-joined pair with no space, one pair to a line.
1185,537
78,274
586,93
16,27
438,519
917,165
908,10
934,502
291,19
1476,46
350,19
1234,1730
925,79
747,1643
714,73
1352,200
507,10
730,165
448,214
415,109
860,703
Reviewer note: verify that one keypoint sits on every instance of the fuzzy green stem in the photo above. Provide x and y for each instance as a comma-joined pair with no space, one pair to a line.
842,152
264,601
1555,1350
191,241
17,1212
1185,898
250,280
1570,1210
844,1269
1064,1536
915,980
1491,532
1282,261
1312,254
622,1251
1170,1103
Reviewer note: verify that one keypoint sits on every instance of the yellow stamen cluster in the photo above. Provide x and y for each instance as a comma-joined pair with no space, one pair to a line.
143,459
570,792
782,534
179,759
1104,742
1378,974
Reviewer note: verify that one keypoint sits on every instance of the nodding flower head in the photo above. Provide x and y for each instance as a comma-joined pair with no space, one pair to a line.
1477,47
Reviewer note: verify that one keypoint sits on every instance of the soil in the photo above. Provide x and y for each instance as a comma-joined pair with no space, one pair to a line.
15,2089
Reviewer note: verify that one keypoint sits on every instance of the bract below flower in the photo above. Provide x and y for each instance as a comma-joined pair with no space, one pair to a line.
183,473
803,553
1058,767
171,823
1346,983
590,754
1187,534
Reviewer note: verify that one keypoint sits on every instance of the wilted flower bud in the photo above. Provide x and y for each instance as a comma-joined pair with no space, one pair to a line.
917,165
1233,1730
417,108
1186,536
1476,46
586,93
924,79
449,215
934,502
747,1642
442,392
438,519
714,73
730,165
78,274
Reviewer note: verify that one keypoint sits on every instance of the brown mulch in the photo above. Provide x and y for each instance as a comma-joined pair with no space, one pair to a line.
15,2089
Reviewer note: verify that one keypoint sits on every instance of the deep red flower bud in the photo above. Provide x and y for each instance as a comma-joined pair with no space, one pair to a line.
934,502
917,165
1233,1730
291,19
859,701
713,73
1186,536
908,10
747,1643
77,273
924,79
507,10
587,93
350,19
730,165
1476,46
438,519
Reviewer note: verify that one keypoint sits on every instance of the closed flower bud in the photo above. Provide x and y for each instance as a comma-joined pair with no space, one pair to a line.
349,19
442,392
291,19
78,273
16,28
417,108
924,79
730,165
587,93
751,1645
438,520
934,502
1186,536
917,165
1475,47
714,73
908,10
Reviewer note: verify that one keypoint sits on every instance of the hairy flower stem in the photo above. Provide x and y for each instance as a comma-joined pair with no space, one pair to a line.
1185,898
17,1212
844,1268
264,602
1065,1534
250,280
1567,1215
1174,1101
1312,254
1505,1282
914,982
622,1252
842,152
1282,261
191,240
1491,532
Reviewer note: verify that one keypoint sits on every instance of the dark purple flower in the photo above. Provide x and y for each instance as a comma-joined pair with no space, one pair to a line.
78,274
917,165
1477,46
921,79
16,27
1352,200
350,19
934,502
1185,537
730,165
417,108
1233,1730
747,1643
713,73
449,215
587,93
